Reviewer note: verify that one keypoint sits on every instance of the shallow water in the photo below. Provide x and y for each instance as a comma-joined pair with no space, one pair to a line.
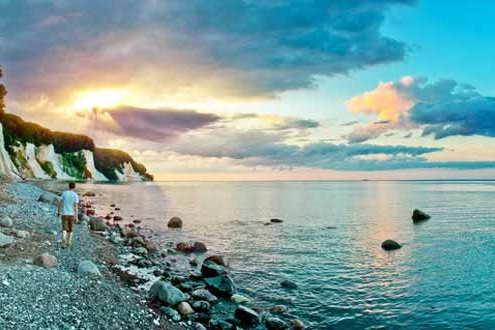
329,244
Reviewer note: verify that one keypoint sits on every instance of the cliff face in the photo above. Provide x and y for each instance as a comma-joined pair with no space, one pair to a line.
28,150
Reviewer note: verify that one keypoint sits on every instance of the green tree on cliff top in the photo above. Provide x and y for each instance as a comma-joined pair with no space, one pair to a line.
3,92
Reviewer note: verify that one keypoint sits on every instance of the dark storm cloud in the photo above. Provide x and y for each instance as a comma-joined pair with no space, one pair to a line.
265,46
152,125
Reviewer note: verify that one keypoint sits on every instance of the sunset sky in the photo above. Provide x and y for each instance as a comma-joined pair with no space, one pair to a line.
261,90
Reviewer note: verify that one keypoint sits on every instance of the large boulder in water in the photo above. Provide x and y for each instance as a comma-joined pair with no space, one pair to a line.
273,323
166,293
247,315
175,222
419,215
219,260
222,285
389,245
211,269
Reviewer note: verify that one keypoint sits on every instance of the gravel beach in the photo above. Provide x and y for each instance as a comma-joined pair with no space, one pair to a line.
33,297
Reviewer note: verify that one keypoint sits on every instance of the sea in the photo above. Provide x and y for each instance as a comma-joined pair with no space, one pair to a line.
329,243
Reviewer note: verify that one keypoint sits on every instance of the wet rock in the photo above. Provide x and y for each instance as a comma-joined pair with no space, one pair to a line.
150,246
137,241
279,309
89,194
185,309
289,284
203,294
221,325
5,240
239,299
117,209
87,267
97,224
194,262
170,313
272,323
176,280
297,324
247,315
117,218
136,221
49,198
389,245
166,293
127,232
112,205
419,215
90,212
22,234
199,247
46,260
199,326
6,222
222,285
276,220
211,269
201,306
175,222
186,287
185,247
219,260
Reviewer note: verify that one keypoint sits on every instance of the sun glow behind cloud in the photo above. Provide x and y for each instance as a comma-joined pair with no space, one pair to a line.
104,98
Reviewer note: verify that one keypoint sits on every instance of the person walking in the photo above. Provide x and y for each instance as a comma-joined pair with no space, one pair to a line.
67,208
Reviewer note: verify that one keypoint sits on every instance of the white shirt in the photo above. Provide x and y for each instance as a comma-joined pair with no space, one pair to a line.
69,198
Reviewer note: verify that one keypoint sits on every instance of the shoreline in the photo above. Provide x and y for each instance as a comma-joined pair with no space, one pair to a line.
182,285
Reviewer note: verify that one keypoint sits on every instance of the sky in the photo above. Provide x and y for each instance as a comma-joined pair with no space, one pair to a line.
263,90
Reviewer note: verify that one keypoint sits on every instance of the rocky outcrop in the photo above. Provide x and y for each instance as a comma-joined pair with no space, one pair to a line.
419,216
390,245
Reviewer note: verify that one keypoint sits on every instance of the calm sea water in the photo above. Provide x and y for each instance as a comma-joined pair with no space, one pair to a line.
442,278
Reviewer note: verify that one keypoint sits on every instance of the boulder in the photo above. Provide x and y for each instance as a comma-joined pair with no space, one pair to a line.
97,224
211,269
389,245
288,284
419,215
89,194
219,260
6,222
247,315
239,299
22,233
203,294
170,313
175,222
117,218
201,306
46,260
272,323
297,324
166,293
199,326
5,240
279,309
127,232
276,220
185,247
222,285
199,247
87,267
48,197
185,309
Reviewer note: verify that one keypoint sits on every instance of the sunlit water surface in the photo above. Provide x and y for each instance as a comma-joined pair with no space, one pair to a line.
329,243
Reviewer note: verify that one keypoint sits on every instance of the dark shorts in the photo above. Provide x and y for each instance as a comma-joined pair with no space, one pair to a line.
68,222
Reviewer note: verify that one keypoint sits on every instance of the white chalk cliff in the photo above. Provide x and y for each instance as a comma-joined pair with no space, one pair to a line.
6,165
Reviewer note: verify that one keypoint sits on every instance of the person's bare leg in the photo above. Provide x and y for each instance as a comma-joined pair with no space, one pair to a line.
64,233
70,239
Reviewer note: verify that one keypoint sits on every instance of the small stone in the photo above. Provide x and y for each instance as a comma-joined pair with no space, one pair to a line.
171,313
203,294
87,267
272,323
46,260
199,326
6,222
185,309
117,218
247,315
276,220
5,240
297,324
279,309
239,299
201,306
166,293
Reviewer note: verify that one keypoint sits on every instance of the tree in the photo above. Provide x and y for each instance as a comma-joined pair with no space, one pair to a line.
3,92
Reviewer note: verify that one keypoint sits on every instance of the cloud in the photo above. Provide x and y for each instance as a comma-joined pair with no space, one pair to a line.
193,48
442,108
153,125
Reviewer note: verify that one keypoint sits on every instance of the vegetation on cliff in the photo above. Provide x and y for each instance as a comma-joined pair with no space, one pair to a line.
108,161
3,92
